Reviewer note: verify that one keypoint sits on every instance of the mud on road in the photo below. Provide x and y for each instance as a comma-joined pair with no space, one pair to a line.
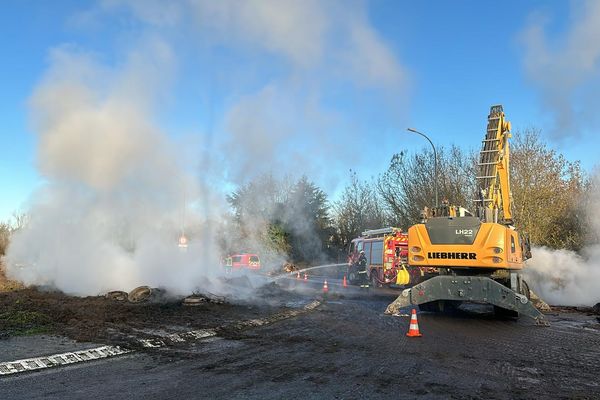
102,320
346,348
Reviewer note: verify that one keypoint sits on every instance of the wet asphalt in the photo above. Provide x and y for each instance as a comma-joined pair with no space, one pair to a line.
346,348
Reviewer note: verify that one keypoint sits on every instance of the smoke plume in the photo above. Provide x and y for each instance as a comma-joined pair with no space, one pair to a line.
119,190
565,68
563,277
111,212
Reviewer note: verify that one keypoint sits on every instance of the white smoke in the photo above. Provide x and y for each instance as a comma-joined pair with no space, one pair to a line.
111,212
563,277
117,186
565,67
302,48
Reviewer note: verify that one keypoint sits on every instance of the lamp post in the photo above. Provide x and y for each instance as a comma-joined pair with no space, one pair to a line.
435,170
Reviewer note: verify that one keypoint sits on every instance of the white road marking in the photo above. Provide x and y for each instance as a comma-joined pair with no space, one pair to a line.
32,364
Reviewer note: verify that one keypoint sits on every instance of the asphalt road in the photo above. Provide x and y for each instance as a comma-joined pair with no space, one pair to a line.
347,348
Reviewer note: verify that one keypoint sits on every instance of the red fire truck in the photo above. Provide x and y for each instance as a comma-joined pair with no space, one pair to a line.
241,261
379,258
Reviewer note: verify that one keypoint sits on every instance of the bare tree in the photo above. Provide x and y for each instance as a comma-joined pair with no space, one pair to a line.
9,227
19,220
547,193
5,231
359,208
408,185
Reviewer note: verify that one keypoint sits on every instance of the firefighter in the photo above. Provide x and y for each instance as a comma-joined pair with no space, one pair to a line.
362,269
357,271
362,260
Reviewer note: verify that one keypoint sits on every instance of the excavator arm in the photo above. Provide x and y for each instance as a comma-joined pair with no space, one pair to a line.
494,179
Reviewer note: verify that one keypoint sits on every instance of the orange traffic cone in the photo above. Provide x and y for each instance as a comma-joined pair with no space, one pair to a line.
344,282
305,276
325,287
413,330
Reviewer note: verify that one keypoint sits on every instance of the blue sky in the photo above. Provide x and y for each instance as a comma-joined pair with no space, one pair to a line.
226,82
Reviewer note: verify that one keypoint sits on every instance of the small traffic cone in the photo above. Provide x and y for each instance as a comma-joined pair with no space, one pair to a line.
298,275
413,330
325,287
344,282
305,277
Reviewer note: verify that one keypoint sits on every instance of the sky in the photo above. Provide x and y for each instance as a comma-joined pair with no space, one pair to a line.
292,87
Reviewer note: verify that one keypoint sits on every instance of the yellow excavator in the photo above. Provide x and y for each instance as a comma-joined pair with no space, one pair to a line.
479,258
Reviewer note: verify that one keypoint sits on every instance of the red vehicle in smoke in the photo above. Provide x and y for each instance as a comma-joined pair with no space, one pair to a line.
248,261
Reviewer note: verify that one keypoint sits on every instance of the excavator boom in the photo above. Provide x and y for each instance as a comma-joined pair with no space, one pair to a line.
493,178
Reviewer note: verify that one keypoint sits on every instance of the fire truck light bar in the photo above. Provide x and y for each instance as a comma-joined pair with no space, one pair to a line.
382,231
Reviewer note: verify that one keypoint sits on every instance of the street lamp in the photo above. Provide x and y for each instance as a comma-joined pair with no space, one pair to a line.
435,171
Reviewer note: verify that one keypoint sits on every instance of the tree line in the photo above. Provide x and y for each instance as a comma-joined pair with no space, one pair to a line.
298,219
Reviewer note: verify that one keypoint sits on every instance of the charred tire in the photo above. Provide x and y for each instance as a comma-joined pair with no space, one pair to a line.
116,295
140,294
194,300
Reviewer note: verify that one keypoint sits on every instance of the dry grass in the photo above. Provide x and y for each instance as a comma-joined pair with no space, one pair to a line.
7,285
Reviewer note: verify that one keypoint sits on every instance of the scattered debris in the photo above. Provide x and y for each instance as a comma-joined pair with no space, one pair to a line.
139,294
194,300
98,319
145,293
289,267
197,299
538,302
117,295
